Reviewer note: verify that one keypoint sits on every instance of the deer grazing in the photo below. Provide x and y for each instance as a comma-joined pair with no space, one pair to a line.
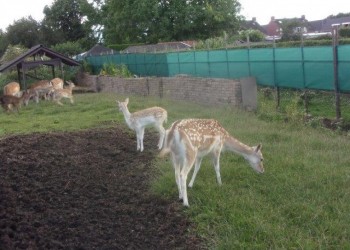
137,121
12,88
10,102
189,140
67,92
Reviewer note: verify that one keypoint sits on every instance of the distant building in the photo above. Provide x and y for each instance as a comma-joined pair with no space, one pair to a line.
254,25
96,50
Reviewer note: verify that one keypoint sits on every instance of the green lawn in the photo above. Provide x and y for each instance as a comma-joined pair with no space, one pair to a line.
302,201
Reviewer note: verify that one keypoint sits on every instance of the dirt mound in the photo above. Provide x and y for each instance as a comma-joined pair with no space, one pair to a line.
85,190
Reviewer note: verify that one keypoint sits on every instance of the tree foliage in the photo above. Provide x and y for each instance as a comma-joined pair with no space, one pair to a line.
12,52
69,49
25,31
254,35
161,20
69,20
3,42
292,30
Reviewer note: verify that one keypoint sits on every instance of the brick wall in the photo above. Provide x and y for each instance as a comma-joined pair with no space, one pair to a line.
211,91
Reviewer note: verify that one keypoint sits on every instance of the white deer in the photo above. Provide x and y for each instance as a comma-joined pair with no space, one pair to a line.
137,121
189,140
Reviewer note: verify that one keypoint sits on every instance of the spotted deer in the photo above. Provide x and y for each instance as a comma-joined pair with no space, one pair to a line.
189,140
41,89
137,121
57,83
66,92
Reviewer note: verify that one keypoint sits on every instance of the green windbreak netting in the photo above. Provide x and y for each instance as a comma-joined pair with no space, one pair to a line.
310,67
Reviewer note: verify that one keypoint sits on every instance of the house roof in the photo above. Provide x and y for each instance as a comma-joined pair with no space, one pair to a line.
253,24
325,25
159,47
39,50
96,50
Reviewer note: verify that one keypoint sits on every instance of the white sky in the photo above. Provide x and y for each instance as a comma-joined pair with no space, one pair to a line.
313,10
12,10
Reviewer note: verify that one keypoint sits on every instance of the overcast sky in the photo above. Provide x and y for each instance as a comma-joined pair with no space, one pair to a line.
263,10
12,10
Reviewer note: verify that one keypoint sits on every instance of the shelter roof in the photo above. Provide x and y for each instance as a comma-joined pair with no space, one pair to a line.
40,51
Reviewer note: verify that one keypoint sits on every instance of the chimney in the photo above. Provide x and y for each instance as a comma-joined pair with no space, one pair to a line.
254,19
272,18
303,17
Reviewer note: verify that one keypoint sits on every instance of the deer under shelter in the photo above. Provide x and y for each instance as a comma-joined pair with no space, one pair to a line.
36,56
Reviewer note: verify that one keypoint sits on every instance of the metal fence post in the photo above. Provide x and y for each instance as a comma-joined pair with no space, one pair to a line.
335,43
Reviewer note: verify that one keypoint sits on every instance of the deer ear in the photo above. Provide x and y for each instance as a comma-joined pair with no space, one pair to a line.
127,100
258,148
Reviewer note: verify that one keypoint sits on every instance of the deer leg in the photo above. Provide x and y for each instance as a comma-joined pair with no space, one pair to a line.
196,169
138,139
161,131
188,163
177,169
142,133
58,102
216,162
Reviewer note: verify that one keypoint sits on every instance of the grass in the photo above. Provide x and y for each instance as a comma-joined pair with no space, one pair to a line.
302,201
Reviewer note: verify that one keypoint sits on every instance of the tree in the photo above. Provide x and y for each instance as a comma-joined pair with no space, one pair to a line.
3,42
292,29
69,49
12,52
133,21
254,35
25,31
69,20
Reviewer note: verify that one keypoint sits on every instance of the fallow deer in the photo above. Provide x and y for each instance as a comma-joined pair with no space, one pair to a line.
67,92
41,89
137,121
10,102
189,140
57,83
12,88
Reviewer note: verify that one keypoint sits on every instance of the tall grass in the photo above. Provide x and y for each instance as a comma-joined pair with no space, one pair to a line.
302,201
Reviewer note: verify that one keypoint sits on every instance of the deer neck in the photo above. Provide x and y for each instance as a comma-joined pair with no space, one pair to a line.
238,147
127,115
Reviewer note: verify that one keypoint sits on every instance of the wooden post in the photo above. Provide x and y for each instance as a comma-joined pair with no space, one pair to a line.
335,42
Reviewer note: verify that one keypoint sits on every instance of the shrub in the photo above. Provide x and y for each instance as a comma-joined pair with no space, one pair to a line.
112,69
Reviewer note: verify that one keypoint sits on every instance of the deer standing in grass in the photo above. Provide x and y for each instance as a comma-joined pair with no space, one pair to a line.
40,89
67,92
137,121
11,102
189,140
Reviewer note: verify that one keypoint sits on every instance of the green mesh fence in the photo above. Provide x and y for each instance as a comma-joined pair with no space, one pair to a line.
302,68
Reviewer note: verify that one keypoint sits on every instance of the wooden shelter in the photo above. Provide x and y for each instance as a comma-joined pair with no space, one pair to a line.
40,56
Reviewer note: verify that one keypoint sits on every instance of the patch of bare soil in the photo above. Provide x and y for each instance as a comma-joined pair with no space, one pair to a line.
85,190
